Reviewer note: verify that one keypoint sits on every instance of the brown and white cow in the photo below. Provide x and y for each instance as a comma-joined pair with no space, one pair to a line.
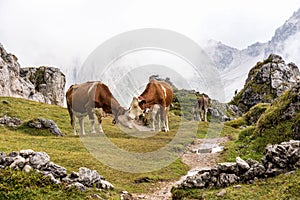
89,98
156,92
202,107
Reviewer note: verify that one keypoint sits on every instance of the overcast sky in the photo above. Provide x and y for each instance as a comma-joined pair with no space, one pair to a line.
62,33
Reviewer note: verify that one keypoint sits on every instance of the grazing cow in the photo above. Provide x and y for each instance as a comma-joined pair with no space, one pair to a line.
202,107
88,99
156,92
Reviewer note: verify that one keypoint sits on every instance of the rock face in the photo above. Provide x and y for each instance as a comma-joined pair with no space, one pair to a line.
279,158
43,84
28,160
266,81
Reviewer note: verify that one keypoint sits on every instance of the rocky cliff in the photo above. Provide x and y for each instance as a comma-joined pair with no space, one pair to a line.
266,81
42,84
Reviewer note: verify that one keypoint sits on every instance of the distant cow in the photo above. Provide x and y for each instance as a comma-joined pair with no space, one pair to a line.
88,99
156,92
202,107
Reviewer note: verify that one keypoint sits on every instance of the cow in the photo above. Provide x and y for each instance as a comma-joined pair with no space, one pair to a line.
88,99
202,107
156,92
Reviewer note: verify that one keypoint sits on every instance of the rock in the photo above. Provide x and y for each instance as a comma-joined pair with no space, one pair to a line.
227,167
225,174
39,159
52,178
90,177
2,158
19,163
43,84
27,168
243,165
126,196
266,81
26,153
41,123
10,121
237,186
227,180
221,193
56,170
79,186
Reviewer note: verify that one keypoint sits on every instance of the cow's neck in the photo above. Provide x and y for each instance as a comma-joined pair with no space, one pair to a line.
115,106
149,101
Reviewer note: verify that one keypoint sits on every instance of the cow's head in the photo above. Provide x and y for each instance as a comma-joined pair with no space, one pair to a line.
136,108
123,117
120,111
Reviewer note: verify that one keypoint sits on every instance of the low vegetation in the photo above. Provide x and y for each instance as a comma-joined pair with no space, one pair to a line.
69,151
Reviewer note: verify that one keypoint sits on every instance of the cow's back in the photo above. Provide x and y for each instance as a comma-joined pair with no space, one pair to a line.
169,92
79,95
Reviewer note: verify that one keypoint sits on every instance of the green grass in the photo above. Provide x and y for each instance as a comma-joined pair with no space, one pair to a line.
71,152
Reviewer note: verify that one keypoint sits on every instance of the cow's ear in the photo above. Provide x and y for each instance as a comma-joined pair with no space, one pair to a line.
142,102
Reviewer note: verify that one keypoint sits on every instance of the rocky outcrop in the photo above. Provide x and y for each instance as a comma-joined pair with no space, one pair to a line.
43,84
8,121
27,160
279,158
41,123
266,81
282,118
223,111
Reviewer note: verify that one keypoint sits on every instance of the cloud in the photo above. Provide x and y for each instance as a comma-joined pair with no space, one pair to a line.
64,33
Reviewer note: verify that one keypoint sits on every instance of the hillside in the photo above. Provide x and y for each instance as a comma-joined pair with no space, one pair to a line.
70,152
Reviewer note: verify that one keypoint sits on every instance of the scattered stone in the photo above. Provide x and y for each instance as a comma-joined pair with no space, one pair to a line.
8,121
26,153
221,193
243,165
237,186
278,159
27,160
19,163
79,186
27,168
39,159
41,123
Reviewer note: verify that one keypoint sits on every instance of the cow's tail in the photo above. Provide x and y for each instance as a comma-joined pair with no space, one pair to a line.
70,113
69,104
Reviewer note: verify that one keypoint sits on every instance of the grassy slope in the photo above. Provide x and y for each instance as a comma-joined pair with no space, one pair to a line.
71,153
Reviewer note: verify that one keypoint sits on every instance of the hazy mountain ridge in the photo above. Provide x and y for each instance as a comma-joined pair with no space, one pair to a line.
235,64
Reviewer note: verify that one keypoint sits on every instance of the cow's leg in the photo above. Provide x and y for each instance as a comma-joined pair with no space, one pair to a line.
100,126
81,124
158,120
91,118
153,118
164,119
201,118
205,114
73,124
167,122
